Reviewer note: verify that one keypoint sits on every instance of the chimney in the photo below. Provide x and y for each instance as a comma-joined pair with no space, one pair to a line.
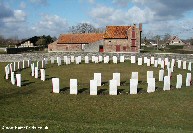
140,26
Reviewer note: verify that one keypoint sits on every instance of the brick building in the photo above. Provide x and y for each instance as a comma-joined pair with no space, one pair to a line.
115,39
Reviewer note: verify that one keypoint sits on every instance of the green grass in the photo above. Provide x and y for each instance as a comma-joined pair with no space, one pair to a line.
34,104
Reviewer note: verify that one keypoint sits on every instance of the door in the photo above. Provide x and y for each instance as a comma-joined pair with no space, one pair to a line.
118,48
101,49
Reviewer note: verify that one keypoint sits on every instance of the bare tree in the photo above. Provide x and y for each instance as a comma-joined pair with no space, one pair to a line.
84,28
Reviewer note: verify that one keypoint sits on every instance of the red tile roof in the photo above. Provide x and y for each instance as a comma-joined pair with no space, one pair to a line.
116,32
80,38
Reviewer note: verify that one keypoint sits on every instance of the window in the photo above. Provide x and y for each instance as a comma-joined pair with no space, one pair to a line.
124,48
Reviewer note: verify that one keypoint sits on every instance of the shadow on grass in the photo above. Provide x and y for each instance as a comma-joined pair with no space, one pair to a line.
104,83
28,83
119,91
101,91
140,90
123,83
65,89
83,90
50,78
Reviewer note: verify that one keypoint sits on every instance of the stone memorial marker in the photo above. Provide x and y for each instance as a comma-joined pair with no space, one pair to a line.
133,86
151,85
43,63
12,78
179,81
23,64
148,62
18,79
46,60
173,63
96,59
122,58
43,74
72,58
134,75
86,60
168,65
162,64
116,76
115,59
77,60
97,77
161,75
68,61
55,85
133,60
149,75
166,83
80,59
65,59
106,60
11,67
166,61
145,60
52,60
73,86
190,66
152,60
188,79
184,64
18,65
32,69
93,58
93,87
7,72
156,63
140,61
179,63
159,61
100,58
14,66
36,72
28,63
112,87
59,61
169,72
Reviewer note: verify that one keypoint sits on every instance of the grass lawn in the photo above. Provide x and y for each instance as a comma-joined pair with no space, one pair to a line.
34,105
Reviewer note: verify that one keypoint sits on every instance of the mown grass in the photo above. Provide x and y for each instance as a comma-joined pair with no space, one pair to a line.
34,104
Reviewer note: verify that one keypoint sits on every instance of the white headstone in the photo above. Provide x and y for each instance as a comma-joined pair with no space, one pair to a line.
188,79
184,64
122,58
173,63
115,59
52,60
77,60
18,79
145,60
151,85
179,63
59,61
112,87
168,65
72,58
43,63
100,58
97,77
169,72
133,59
133,86
32,69
96,59
148,62
166,61
43,74
68,61
162,64
149,75
14,66
23,64
156,63
166,83
18,65
56,85
80,59
93,58
116,76
36,72
152,60
140,61
12,78
161,75
134,75
11,67
93,87
190,66
179,81
46,60
159,61
106,59
73,86
28,63
65,59
86,59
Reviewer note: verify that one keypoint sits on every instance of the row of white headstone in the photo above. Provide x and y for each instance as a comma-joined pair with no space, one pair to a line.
95,59
162,63
115,82
35,72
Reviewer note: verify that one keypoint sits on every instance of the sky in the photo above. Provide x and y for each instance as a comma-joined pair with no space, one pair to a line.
27,18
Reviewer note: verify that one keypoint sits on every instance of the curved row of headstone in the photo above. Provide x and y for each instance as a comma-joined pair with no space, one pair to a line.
67,60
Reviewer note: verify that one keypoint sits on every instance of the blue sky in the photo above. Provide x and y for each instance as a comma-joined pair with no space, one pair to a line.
27,18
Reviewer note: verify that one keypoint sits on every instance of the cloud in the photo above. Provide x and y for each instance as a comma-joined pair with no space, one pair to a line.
5,11
50,24
39,2
22,5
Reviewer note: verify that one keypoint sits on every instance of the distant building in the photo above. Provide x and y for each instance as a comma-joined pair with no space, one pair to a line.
175,41
115,39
